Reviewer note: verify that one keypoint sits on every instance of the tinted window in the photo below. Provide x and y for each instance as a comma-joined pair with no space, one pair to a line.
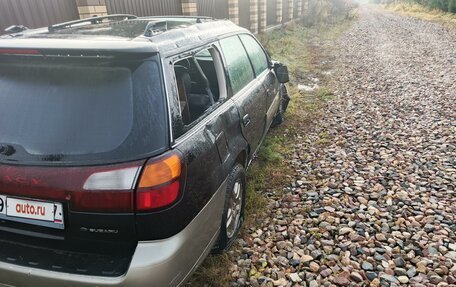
256,54
76,112
238,64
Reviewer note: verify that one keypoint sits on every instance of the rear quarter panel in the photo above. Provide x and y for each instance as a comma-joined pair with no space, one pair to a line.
209,151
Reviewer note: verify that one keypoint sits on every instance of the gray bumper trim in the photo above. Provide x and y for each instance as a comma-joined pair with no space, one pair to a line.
158,263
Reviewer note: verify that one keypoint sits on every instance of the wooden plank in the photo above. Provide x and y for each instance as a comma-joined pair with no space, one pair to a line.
244,13
295,9
36,13
285,16
144,7
271,12
213,8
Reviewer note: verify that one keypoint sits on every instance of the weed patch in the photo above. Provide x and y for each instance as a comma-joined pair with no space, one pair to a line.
419,11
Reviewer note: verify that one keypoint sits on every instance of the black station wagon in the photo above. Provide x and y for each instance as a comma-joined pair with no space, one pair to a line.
123,146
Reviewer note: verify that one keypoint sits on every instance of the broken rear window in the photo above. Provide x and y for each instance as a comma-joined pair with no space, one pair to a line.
64,112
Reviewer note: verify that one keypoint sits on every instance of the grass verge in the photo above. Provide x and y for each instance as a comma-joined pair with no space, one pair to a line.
300,48
419,11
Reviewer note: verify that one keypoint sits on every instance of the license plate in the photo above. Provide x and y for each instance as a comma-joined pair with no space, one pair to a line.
43,213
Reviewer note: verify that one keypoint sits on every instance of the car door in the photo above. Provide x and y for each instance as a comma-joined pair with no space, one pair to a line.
265,74
247,92
209,140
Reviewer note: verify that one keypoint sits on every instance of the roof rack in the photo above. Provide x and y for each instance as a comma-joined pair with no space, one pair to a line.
92,20
159,24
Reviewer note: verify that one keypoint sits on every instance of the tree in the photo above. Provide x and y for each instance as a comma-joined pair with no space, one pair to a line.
452,6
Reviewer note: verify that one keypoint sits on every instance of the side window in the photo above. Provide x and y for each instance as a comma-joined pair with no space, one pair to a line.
238,64
201,85
256,54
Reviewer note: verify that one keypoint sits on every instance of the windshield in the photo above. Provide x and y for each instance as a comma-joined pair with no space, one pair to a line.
63,112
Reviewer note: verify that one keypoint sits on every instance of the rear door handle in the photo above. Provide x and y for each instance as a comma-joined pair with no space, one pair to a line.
246,120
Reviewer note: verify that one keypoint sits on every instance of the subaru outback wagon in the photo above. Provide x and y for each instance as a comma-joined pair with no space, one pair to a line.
123,146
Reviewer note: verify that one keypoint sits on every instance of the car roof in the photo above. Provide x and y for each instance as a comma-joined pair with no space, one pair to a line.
124,33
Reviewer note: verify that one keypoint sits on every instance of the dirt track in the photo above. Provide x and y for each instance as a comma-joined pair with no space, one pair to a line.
375,202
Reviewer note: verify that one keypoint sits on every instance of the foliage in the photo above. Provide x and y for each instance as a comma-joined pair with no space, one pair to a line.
423,12
443,5
328,11
452,6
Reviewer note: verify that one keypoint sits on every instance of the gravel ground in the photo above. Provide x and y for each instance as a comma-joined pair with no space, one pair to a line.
374,205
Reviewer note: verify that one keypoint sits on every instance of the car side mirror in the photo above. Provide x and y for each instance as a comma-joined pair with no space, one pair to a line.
281,73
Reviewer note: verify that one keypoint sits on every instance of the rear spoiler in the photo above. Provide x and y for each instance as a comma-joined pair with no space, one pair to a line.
108,45
10,54
131,53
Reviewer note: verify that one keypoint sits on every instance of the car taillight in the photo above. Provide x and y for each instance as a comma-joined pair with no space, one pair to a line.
19,52
108,188
159,183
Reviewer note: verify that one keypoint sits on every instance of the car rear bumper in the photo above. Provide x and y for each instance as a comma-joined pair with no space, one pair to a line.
158,263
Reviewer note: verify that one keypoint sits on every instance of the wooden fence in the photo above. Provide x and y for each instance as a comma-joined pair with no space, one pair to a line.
244,13
36,13
41,13
213,8
285,16
144,7
271,12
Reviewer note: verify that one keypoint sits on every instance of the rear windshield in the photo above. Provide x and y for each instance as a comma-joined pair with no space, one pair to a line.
68,112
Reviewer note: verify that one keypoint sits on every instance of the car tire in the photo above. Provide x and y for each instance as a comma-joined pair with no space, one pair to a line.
233,211
285,99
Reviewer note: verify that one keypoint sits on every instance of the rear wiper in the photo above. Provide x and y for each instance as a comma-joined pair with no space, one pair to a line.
6,149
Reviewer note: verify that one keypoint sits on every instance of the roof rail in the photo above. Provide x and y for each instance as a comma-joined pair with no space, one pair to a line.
92,20
199,19
15,29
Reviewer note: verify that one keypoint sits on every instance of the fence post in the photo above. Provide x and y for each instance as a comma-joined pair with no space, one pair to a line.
299,8
290,9
254,16
279,10
233,11
90,8
189,8
262,15
304,7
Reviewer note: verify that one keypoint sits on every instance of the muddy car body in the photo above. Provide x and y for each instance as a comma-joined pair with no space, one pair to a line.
123,147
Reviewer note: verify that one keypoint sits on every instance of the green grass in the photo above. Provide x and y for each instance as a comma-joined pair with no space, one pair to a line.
419,11
294,47
323,138
325,94
270,150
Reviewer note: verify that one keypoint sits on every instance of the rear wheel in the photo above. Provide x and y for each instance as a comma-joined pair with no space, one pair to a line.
233,212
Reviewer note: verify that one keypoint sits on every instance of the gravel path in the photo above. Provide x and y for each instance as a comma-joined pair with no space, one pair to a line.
376,204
